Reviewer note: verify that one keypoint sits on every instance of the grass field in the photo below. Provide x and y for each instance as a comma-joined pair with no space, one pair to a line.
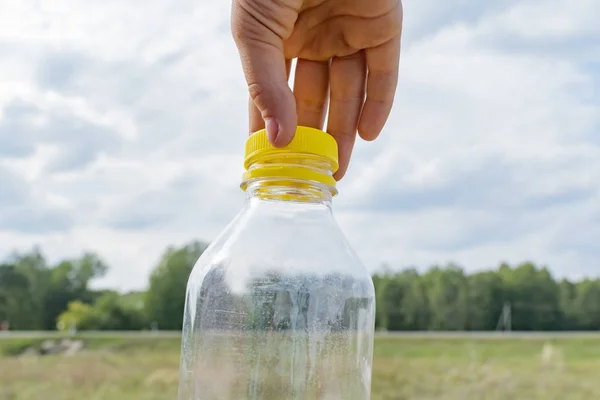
405,368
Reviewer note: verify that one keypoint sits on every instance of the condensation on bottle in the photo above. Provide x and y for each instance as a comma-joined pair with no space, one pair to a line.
279,307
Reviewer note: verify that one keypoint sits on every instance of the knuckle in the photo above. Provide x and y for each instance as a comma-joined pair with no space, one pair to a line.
310,105
274,16
244,27
255,90
356,56
260,98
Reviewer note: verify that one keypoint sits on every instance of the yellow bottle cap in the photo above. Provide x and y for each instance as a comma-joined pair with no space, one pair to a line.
264,160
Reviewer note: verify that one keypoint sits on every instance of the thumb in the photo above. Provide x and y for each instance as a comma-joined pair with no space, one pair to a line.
259,28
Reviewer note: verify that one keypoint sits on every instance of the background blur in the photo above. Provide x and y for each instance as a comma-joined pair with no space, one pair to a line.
122,125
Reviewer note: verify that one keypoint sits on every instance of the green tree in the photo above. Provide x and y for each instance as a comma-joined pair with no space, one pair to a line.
447,292
32,266
113,314
109,312
14,291
586,308
569,306
379,282
405,302
485,300
534,297
69,281
165,299
78,315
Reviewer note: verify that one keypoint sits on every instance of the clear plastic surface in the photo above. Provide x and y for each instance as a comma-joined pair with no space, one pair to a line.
279,306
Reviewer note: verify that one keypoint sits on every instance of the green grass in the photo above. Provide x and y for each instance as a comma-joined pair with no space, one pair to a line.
404,368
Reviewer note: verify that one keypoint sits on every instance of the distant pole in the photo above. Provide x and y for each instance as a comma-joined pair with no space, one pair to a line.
505,320
507,317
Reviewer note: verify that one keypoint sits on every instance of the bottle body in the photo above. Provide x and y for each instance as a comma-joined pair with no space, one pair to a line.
279,307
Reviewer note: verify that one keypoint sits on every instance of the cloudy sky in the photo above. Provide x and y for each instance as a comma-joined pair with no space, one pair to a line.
122,126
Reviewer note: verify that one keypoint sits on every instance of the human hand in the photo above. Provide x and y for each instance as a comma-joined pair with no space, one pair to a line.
345,49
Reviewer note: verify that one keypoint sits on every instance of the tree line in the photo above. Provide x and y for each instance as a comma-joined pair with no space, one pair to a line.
36,295
524,297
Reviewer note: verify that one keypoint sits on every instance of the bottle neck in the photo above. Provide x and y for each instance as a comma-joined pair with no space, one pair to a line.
286,190
291,178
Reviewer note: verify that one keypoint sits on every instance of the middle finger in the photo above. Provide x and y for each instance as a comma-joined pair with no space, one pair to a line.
311,89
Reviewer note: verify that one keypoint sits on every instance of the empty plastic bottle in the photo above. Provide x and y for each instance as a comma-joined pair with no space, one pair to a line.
279,306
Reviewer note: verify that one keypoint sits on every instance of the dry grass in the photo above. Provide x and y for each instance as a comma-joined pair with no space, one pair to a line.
416,369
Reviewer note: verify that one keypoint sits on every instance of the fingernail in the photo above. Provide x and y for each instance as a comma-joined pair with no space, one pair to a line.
272,129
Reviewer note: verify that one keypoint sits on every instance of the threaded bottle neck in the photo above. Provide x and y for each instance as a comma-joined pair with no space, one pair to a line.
295,177
288,190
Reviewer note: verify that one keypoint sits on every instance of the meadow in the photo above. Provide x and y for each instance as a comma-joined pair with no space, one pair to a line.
415,368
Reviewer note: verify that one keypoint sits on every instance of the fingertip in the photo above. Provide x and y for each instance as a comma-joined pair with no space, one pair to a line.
343,168
367,131
281,122
272,127
278,135
283,137
340,174
345,146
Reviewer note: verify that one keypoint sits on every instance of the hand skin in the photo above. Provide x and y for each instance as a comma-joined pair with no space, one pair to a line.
348,55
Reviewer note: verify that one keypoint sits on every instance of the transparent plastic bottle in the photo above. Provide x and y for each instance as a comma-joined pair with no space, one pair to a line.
279,306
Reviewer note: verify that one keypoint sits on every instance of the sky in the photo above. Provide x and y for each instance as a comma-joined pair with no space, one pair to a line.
122,128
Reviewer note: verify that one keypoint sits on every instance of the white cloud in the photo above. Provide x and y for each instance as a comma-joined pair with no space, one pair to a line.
544,20
122,128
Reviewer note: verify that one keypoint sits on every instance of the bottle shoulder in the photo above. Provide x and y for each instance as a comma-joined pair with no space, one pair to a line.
301,249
